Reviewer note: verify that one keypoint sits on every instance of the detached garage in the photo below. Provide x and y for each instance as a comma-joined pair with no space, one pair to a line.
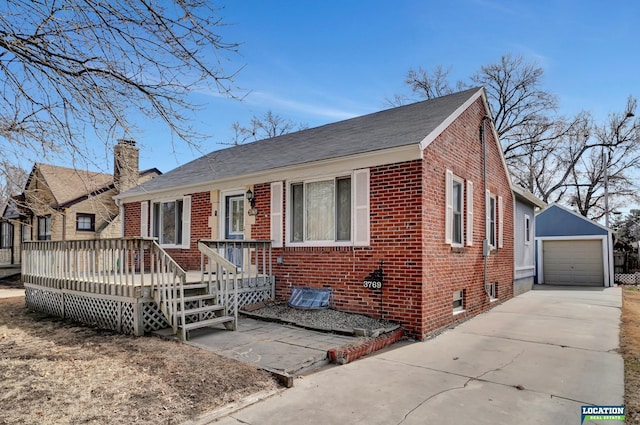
571,249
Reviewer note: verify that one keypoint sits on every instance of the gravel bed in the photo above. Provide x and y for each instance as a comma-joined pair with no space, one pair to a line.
323,319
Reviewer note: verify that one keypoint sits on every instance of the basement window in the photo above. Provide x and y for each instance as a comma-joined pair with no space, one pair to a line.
458,301
492,291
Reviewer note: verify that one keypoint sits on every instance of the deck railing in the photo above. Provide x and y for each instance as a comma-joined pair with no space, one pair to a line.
120,267
221,275
252,262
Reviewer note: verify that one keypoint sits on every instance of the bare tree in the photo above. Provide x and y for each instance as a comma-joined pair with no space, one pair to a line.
558,159
265,127
426,85
522,111
12,181
517,100
547,155
73,66
605,177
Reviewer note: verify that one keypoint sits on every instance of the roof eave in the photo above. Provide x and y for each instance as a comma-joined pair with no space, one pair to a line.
408,152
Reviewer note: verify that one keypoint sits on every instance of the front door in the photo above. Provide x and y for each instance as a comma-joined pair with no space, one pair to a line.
234,226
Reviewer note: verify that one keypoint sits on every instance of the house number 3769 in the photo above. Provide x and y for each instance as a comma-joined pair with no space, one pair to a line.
372,284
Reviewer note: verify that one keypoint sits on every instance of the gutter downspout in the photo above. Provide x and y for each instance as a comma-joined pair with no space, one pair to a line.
485,241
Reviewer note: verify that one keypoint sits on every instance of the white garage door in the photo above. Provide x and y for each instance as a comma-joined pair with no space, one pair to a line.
573,262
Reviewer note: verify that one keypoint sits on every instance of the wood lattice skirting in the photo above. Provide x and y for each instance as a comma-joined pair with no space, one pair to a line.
133,316
127,315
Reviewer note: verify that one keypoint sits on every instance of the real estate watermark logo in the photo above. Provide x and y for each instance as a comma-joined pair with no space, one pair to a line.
602,413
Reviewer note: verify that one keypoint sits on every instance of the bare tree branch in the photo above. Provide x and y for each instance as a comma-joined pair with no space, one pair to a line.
265,127
76,66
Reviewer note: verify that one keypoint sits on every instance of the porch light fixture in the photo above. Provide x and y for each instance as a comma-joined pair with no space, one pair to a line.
252,202
251,199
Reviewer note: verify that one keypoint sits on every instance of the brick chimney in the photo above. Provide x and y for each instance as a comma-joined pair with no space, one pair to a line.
126,158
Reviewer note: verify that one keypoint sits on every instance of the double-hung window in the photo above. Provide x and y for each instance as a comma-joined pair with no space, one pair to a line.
26,232
331,211
458,192
458,221
491,220
494,220
167,225
320,211
170,221
6,235
44,228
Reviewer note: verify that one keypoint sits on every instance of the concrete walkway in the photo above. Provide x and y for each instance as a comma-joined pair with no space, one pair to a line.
271,346
535,359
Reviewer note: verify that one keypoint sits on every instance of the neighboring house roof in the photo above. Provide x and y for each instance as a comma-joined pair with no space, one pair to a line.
558,220
11,210
524,195
393,128
68,184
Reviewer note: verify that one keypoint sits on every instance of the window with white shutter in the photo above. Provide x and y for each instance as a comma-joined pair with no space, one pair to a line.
361,191
469,213
500,222
276,214
329,211
454,210
186,221
171,222
144,219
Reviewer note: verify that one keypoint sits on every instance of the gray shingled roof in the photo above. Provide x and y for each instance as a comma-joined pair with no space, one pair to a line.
392,128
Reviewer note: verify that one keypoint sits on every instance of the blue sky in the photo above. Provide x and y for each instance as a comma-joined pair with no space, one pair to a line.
320,62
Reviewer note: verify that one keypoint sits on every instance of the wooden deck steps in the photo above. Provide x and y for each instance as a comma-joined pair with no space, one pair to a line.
206,313
209,322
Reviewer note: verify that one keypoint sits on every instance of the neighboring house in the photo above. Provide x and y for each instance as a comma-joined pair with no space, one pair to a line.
61,203
10,232
525,208
403,187
572,250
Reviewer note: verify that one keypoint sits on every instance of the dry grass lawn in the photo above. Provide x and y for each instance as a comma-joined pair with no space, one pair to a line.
630,349
55,372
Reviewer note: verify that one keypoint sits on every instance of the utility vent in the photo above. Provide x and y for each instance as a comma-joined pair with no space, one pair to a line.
304,297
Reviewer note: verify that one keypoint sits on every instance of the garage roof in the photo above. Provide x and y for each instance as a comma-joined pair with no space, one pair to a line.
557,220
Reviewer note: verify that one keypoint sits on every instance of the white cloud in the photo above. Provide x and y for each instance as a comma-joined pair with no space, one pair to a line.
273,101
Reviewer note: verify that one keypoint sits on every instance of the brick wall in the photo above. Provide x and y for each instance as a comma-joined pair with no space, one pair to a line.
395,240
132,220
448,269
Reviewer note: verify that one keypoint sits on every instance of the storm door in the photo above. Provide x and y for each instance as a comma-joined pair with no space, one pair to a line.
234,227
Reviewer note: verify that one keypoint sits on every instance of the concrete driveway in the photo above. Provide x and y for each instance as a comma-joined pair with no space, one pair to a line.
535,359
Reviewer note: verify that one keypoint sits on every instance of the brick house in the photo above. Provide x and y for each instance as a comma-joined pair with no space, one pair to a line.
60,203
422,189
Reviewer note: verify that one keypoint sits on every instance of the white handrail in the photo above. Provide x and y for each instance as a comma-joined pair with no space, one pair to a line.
224,270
